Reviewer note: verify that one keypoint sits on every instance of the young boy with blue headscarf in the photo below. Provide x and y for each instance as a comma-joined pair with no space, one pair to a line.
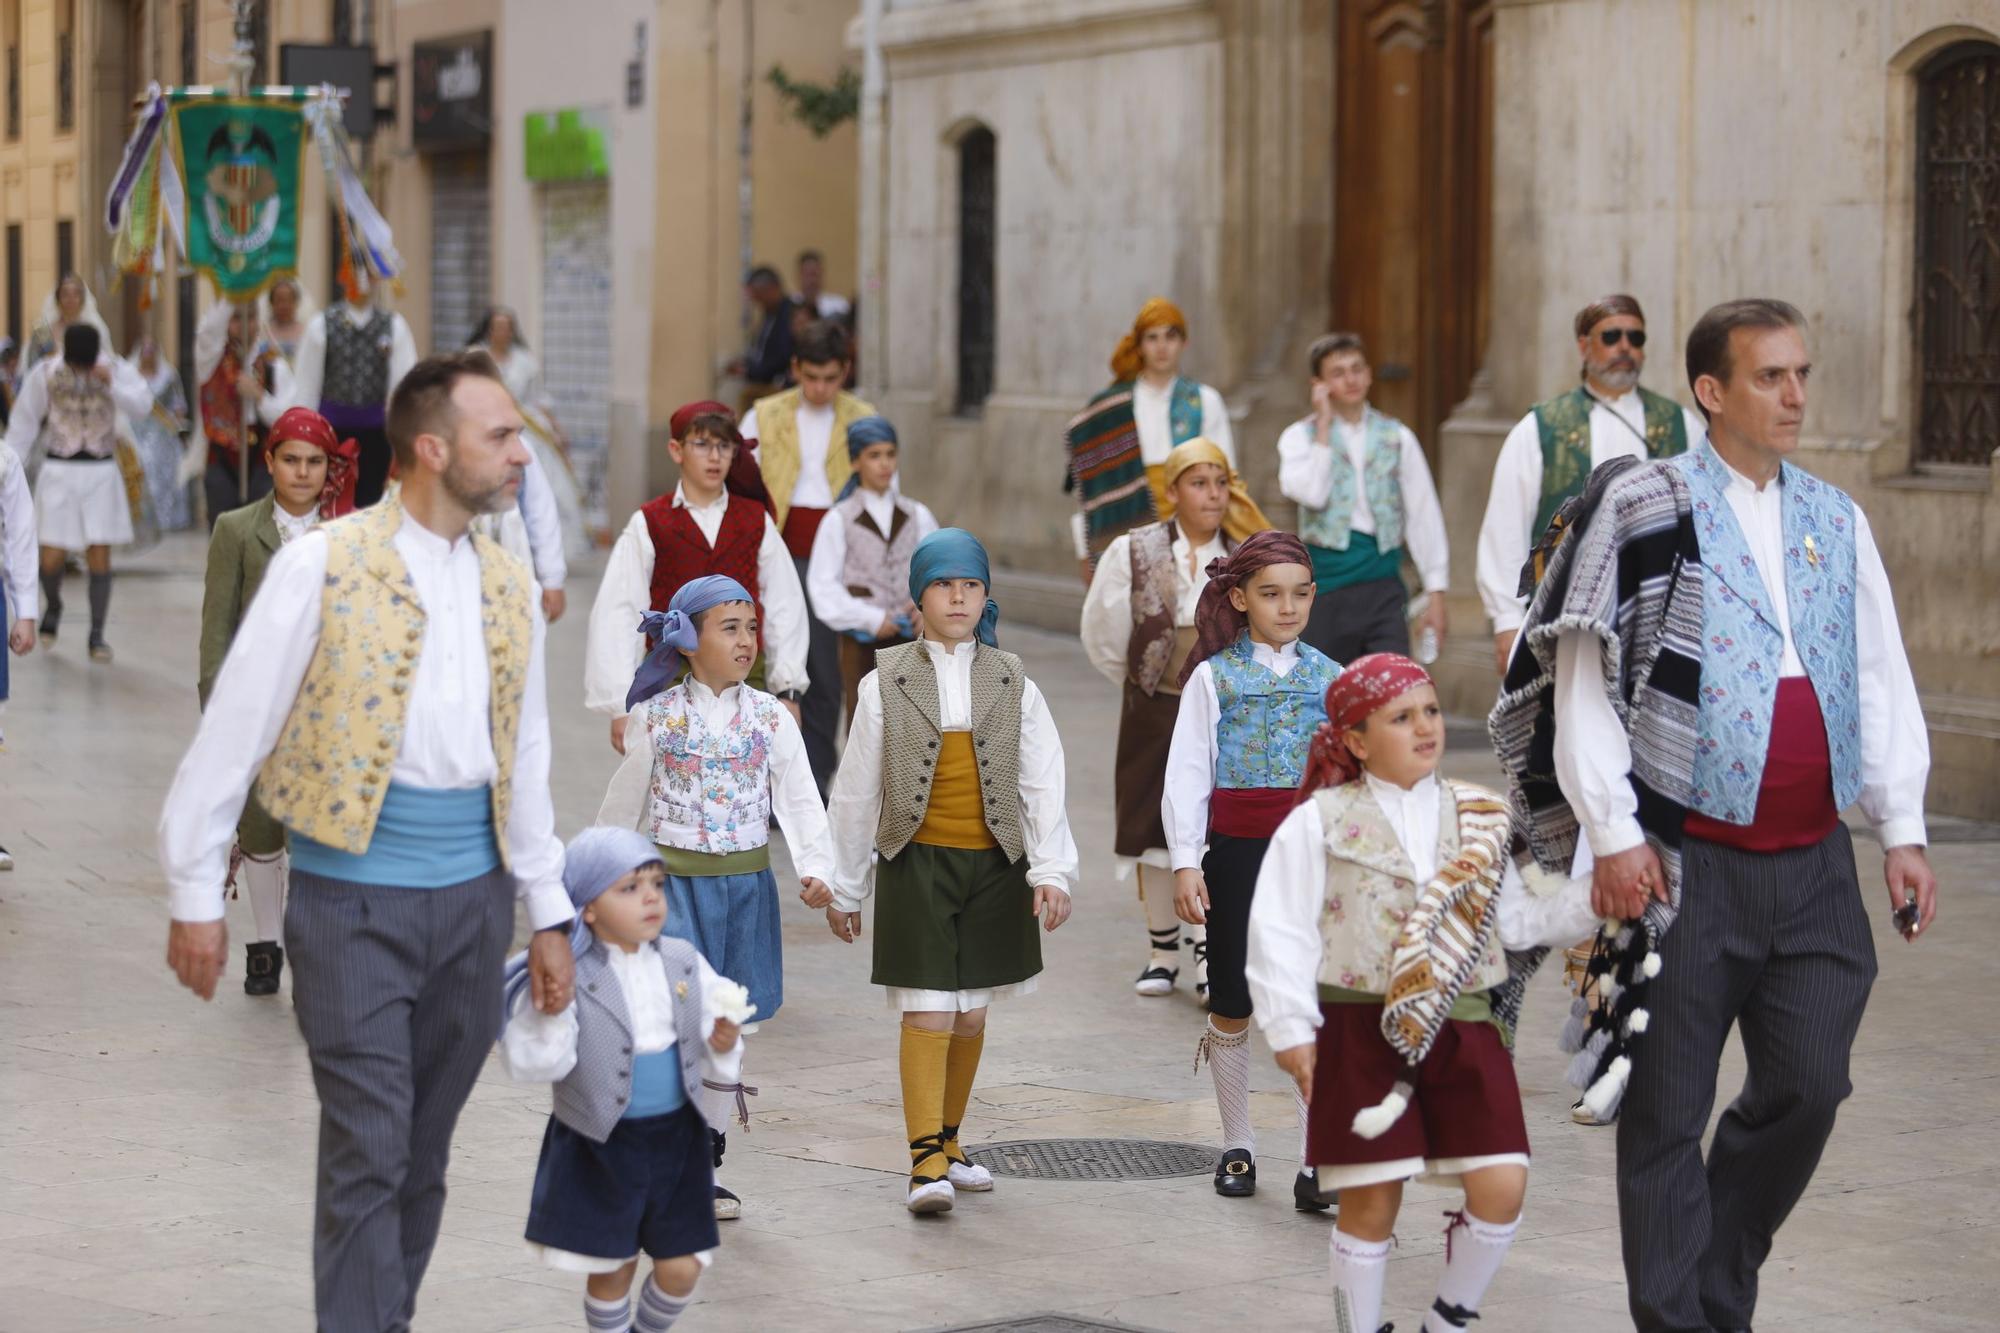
707,762
953,776
625,1163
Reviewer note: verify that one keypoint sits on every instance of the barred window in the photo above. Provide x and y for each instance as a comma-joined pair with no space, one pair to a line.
976,200
1958,269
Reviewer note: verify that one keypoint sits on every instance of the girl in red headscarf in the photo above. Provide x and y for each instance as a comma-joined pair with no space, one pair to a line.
1376,922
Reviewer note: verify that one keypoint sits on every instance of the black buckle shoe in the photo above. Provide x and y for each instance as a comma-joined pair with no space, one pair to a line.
261,969
1306,1196
719,1141
1236,1174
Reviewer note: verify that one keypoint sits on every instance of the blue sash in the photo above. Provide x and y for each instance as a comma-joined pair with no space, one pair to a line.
424,839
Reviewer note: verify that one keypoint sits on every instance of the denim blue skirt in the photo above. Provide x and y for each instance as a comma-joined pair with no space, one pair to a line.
733,921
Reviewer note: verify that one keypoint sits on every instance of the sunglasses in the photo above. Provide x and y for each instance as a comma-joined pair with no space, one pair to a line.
1611,337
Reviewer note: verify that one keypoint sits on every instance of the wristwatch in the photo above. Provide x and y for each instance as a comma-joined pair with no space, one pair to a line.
792,696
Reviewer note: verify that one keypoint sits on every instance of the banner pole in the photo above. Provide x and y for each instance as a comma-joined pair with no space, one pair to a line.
242,61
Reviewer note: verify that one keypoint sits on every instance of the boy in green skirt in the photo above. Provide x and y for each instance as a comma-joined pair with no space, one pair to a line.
953,773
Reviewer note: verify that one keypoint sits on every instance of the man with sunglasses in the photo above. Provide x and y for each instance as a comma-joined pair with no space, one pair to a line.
1549,455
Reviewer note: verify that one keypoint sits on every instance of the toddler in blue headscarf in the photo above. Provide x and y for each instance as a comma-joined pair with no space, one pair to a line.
953,775
707,761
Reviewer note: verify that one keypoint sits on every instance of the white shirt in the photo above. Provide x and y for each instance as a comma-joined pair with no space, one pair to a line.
541,1048
837,608
1107,608
543,521
854,807
1617,430
17,541
827,305
1594,755
1191,757
1152,420
1284,947
615,645
129,393
293,526
309,369
794,797
815,424
1305,477
447,742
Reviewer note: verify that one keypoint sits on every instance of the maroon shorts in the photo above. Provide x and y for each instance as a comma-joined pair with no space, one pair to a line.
1466,1103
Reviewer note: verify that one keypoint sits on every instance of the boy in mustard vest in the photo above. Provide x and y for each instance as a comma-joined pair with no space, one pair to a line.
953,774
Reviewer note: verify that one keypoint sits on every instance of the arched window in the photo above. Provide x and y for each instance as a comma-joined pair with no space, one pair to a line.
975,270
1958,255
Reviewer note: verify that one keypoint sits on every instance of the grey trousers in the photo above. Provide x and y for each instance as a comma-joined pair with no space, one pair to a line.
1346,623
819,711
1778,946
398,998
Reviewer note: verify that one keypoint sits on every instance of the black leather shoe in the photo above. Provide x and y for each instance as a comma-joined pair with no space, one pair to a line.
1236,1174
1306,1196
261,968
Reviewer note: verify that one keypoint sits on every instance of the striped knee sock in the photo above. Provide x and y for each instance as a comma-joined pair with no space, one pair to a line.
1359,1268
1229,1066
607,1316
1305,1128
658,1310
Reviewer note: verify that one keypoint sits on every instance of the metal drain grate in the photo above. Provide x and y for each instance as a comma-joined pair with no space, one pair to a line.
1044,1323
1094,1159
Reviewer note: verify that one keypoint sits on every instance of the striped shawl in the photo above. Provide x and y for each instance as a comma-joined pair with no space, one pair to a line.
1106,468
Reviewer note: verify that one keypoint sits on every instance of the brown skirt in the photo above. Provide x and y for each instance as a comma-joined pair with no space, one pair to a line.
1145,734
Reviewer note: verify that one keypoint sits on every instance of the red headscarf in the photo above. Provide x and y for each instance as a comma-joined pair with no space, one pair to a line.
1217,622
1364,685
342,456
746,477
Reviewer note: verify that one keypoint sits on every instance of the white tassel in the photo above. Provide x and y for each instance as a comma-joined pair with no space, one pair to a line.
1374,1121
1651,967
1636,1024
1570,1040
1608,1091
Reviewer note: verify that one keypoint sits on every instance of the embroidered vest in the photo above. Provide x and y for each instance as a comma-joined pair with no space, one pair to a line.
1564,422
1743,648
1159,644
911,737
326,777
1267,720
682,554
1371,887
357,359
82,421
1381,482
778,445
594,1095
711,790
877,567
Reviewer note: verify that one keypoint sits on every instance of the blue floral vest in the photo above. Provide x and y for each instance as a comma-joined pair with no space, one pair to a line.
1267,720
1743,649
1383,481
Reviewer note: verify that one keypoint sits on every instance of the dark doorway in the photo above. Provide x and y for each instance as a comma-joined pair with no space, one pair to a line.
976,197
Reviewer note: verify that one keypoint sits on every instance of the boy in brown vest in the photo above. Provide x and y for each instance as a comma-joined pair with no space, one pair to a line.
953,772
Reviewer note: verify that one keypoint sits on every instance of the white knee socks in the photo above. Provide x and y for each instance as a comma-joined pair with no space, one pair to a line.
607,1316
658,1310
1229,1065
1474,1250
264,881
1299,1105
1359,1268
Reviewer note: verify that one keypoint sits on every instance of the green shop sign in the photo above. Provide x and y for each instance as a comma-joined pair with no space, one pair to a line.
573,144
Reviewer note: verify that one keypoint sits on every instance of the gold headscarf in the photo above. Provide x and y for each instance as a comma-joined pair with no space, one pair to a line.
1242,518
1126,363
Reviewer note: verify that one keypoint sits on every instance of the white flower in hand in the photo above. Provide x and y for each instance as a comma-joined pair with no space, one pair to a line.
728,1000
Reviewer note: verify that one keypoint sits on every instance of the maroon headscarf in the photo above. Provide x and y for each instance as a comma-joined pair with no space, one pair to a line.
343,457
746,477
1217,622
1363,685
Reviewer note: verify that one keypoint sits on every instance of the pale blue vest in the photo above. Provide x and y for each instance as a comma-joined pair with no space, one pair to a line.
1743,649
1383,483
1267,720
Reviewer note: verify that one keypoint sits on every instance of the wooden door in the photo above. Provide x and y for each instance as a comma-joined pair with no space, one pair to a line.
1413,197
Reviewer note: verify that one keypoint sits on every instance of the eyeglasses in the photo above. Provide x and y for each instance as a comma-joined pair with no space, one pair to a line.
1611,337
704,445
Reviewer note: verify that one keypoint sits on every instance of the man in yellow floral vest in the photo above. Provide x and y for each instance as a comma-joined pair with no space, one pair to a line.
801,440
387,698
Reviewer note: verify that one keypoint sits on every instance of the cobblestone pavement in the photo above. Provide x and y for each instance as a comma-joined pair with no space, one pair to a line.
156,1153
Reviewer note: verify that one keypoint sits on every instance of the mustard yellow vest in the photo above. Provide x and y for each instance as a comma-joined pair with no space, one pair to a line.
326,777
778,445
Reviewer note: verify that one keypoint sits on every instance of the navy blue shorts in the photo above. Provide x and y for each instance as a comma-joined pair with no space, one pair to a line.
650,1186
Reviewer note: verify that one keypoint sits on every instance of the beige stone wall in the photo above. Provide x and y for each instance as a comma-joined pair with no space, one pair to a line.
39,170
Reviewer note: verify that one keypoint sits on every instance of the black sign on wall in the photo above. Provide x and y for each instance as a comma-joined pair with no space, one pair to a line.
452,92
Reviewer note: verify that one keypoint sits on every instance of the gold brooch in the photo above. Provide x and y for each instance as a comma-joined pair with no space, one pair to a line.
680,990
1812,551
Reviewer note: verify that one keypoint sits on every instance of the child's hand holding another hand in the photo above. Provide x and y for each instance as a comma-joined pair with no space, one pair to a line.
814,893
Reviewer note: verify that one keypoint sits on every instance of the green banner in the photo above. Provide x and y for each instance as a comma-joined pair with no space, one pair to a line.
240,162
573,144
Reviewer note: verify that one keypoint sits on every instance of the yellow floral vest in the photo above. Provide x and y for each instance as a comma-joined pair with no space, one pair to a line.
327,775
778,445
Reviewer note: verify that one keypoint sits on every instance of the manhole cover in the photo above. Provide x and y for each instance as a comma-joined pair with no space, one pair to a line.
1044,1323
1094,1159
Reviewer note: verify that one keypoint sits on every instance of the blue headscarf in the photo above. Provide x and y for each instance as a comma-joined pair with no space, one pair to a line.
861,434
674,632
595,859
954,553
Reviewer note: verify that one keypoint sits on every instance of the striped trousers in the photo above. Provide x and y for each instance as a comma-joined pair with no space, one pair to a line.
398,998
1778,946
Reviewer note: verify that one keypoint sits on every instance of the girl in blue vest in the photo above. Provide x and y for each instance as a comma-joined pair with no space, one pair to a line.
1251,697
625,1161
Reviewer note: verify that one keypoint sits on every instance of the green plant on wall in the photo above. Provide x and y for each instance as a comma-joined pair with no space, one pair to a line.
568,145
819,106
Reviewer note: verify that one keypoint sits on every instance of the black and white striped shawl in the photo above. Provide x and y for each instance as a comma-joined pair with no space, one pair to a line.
1627,570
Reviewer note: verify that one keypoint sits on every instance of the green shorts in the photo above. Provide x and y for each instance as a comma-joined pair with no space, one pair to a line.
949,918
256,832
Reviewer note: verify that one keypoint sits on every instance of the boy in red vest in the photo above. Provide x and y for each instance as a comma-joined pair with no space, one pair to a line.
706,526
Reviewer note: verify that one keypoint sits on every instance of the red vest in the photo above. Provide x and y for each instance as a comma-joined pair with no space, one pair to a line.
681,553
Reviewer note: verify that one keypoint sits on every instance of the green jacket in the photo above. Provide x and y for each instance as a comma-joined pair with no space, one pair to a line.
239,550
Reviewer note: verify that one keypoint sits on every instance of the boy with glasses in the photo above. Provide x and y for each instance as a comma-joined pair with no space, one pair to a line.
1547,456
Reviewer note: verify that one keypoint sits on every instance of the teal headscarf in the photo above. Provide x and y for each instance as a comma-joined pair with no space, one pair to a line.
954,553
